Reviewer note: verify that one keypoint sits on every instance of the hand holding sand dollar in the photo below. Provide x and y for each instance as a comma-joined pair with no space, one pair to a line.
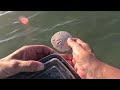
59,41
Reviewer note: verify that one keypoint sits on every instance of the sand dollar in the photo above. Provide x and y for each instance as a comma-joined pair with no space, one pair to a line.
59,41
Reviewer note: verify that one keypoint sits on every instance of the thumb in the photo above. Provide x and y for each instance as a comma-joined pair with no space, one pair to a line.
73,44
30,66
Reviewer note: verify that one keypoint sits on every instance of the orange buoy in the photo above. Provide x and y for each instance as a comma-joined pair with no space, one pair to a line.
23,20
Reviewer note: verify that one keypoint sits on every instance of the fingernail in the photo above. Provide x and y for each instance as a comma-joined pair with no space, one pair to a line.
40,67
69,39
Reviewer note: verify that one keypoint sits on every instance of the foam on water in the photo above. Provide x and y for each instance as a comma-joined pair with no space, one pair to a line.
5,12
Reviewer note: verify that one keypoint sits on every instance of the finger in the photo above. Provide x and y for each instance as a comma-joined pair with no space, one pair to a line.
81,73
73,61
37,52
30,66
83,44
73,44
75,39
75,67
68,58
79,41
41,49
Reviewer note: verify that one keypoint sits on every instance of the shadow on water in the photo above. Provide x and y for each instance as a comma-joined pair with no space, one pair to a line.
99,29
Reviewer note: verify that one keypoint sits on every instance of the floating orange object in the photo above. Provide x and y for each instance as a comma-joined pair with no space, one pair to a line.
24,20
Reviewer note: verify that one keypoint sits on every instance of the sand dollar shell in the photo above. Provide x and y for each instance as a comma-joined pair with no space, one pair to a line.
59,41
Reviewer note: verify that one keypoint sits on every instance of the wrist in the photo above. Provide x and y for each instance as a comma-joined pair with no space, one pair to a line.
95,70
2,73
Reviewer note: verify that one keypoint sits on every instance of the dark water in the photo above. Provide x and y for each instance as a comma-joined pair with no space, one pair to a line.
100,29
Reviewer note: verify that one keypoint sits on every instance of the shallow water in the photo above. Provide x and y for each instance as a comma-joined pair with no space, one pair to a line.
100,29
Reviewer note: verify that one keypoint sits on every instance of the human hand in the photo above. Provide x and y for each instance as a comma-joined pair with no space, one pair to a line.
24,60
82,59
